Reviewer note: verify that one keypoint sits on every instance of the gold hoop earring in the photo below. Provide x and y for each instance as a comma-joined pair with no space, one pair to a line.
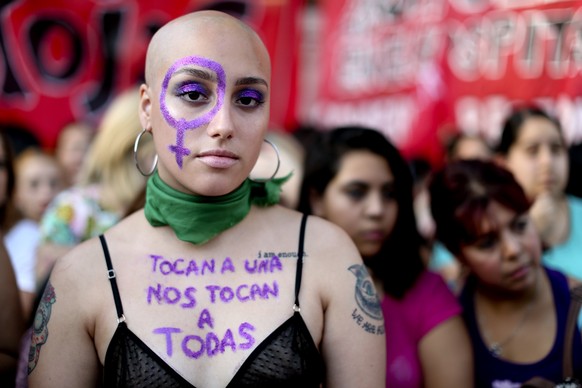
278,162
135,148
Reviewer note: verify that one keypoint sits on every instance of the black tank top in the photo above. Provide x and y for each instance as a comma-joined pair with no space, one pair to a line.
288,357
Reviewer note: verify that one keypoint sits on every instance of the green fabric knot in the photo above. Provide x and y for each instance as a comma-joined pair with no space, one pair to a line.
267,193
197,219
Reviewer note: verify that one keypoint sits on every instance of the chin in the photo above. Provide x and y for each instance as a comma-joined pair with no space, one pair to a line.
369,251
218,187
213,192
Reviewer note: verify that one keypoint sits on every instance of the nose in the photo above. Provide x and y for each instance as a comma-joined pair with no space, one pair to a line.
375,205
511,246
546,156
222,125
47,191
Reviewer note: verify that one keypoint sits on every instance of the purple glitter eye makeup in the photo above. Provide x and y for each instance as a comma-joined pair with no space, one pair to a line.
251,94
193,91
181,124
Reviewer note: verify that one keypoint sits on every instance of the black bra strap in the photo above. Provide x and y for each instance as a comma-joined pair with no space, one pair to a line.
299,261
111,276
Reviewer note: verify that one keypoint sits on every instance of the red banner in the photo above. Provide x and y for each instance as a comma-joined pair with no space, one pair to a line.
414,68
64,60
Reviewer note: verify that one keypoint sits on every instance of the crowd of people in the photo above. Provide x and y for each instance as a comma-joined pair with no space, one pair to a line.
183,242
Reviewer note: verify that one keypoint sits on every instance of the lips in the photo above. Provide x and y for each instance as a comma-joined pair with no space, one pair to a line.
373,235
218,158
520,272
548,182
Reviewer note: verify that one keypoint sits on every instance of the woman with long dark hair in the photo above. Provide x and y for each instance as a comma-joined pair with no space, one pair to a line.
357,179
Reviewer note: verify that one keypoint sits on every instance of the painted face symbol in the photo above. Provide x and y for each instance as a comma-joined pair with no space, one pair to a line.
181,124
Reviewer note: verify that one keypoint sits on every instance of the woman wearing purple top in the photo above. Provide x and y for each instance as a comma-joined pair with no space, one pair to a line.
515,308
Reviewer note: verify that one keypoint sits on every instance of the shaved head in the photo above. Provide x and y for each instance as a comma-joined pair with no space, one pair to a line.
207,87
171,37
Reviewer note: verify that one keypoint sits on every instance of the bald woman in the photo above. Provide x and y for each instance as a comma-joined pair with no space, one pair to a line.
212,284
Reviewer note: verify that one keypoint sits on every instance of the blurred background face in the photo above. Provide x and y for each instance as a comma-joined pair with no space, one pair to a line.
38,181
506,252
360,200
538,158
71,150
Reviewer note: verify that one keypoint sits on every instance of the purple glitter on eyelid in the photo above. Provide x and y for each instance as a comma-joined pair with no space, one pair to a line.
250,93
191,87
182,125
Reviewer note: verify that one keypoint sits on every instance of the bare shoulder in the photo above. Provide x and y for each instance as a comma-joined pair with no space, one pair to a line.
330,242
320,233
328,229
80,270
79,260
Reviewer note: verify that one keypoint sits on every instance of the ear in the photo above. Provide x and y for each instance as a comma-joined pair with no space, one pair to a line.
316,203
145,107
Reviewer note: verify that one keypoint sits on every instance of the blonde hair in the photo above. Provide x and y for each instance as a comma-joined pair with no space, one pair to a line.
110,162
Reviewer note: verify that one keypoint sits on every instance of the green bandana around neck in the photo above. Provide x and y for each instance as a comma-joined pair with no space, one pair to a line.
197,219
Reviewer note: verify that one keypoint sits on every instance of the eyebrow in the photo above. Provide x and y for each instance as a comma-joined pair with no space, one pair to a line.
251,81
205,75
357,183
209,76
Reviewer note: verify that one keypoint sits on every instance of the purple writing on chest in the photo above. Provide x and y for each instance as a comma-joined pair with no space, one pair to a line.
210,344
186,297
189,267
269,265
193,267
243,293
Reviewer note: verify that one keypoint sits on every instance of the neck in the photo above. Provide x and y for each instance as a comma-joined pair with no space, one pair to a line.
197,219
495,300
501,320
557,232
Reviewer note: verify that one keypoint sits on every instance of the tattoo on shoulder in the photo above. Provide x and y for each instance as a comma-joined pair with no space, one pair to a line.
367,301
40,325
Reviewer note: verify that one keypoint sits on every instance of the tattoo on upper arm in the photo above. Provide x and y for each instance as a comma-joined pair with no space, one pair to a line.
40,325
367,300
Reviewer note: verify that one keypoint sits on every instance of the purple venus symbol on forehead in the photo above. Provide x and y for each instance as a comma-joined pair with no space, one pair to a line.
182,125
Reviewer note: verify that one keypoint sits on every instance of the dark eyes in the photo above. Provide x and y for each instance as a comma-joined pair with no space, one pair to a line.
486,242
34,184
555,148
250,98
389,193
520,225
358,193
197,93
192,92
489,240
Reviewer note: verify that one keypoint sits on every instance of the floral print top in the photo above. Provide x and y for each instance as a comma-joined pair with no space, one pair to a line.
75,216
